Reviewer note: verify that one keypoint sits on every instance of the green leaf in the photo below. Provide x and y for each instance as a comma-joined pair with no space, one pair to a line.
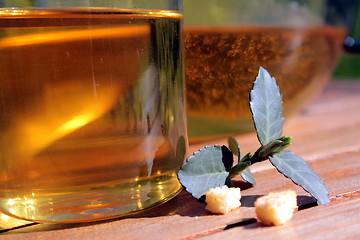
296,168
238,169
207,168
266,107
273,147
247,176
234,147
246,173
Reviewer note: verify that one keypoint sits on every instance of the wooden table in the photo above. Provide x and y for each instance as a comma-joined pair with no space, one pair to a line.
326,134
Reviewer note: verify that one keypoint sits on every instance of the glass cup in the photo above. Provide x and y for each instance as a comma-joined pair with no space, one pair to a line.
92,120
227,41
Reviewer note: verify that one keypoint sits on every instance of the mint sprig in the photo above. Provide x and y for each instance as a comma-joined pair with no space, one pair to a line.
213,166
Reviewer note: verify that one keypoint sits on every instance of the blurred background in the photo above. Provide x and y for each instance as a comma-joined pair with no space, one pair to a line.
298,41
348,68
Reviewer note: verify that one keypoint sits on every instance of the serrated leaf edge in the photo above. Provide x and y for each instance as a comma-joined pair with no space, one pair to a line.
304,187
264,138
189,159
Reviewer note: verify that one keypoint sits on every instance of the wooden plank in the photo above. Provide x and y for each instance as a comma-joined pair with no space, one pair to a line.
325,133
337,220
7,223
184,217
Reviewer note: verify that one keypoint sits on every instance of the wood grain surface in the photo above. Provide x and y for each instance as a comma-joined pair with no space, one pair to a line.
326,134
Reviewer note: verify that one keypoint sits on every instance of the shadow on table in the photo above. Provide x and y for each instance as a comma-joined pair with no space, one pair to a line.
183,205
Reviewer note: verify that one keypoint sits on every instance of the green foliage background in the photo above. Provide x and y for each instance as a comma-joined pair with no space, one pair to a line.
349,65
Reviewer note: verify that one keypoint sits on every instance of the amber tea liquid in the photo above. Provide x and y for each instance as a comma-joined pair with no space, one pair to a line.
221,64
91,113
